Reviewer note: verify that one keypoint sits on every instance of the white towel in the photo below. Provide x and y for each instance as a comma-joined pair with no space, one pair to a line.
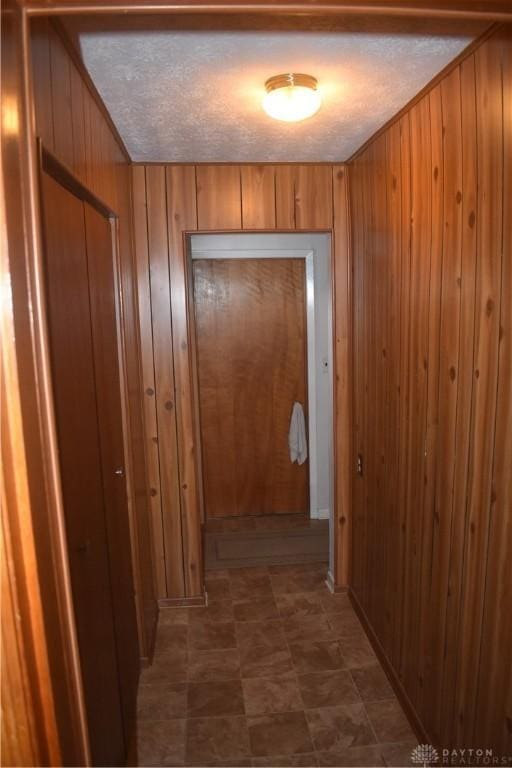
297,440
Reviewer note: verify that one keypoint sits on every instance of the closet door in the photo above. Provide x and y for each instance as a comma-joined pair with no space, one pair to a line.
78,371
102,290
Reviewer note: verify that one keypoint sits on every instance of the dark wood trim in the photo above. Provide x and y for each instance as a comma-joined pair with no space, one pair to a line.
34,513
492,10
471,48
243,164
66,178
307,230
199,601
84,74
410,712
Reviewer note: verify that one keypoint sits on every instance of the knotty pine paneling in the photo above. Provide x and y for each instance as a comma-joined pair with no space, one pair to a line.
224,197
432,516
72,126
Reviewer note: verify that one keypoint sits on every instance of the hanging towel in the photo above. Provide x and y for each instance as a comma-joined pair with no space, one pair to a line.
297,440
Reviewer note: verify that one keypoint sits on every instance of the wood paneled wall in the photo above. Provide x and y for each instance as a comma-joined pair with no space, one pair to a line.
169,200
73,126
431,214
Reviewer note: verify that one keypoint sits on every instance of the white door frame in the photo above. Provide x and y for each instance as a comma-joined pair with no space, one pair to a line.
243,246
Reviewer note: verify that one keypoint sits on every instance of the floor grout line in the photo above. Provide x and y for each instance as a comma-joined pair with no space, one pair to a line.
294,673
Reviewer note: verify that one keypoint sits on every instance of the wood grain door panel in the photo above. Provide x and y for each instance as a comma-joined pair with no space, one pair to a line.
102,292
72,361
251,353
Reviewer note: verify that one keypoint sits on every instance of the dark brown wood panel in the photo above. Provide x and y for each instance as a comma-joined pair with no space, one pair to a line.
434,585
71,124
102,295
251,351
74,384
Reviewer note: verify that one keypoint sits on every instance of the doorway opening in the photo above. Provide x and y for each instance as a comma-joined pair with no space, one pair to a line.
263,337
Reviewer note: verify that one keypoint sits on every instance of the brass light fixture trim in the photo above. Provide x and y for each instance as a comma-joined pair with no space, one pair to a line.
290,79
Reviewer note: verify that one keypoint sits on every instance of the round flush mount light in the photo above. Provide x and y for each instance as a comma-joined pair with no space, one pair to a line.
291,97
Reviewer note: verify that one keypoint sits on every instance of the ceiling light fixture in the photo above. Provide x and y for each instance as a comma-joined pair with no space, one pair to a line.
291,97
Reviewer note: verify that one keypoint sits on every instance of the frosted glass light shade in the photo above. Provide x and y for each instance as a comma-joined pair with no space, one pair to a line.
291,97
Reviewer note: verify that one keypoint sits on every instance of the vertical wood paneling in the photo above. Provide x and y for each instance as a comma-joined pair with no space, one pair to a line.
394,244
494,702
181,216
164,377
356,244
342,330
405,307
148,374
483,409
258,197
436,586
78,121
226,197
465,382
313,197
219,204
417,364
285,196
428,497
60,67
448,376
42,80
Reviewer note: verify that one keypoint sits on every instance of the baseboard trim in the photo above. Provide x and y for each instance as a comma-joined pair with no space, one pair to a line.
199,601
147,660
321,514
394,680
332,586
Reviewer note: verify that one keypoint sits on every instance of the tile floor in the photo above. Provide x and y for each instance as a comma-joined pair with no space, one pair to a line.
276,671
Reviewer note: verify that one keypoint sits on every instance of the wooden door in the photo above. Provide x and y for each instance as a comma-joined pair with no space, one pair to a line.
102,292
251,358
85,378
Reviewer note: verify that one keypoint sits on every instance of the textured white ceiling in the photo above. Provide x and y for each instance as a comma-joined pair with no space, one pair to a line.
193,96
